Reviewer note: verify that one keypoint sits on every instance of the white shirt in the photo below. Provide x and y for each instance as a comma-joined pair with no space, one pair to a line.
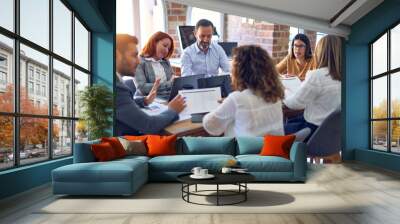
319,95
245,114
158,69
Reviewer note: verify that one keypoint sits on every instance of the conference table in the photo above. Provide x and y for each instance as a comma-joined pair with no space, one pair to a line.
188,128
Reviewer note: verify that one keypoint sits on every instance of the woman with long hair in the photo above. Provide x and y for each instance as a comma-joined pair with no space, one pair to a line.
255,107
155,65
320,94
300,59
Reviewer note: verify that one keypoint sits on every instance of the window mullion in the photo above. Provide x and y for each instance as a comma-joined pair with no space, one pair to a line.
73,82
50,81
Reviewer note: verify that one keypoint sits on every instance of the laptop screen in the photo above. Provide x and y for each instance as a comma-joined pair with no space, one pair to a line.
187,82
222,81
228,47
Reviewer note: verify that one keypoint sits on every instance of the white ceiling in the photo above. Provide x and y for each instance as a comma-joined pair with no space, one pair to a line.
317,15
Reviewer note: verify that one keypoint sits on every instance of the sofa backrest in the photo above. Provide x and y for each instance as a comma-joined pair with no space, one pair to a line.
249,145
83,152
206,145
190,146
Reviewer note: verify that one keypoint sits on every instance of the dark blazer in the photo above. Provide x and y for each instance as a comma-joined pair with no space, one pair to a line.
131,120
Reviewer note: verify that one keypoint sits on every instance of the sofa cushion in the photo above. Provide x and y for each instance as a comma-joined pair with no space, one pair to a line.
103,152
206,145
112,171
277,145
83,152
257,163
161,145
185,163
249,145
116,145
135,147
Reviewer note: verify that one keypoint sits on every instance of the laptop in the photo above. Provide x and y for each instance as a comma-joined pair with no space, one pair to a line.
179,83
222,81
228,47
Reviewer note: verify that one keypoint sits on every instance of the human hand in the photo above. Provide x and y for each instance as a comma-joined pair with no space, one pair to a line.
153,93
177,104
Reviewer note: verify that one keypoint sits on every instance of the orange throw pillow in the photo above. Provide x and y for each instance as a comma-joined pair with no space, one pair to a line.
161,145
277,145
116,145
103,152
136,138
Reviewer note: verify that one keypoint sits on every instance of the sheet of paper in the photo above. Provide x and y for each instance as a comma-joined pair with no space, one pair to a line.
291,84
155,108
201,100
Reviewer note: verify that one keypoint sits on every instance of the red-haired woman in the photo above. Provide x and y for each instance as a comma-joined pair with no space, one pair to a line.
155,65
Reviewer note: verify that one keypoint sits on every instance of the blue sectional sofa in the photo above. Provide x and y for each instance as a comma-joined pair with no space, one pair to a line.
125,176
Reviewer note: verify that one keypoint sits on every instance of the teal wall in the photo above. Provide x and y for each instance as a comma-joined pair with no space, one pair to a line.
356,85
24,178
99,16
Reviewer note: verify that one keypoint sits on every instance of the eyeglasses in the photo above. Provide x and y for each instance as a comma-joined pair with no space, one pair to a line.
299,46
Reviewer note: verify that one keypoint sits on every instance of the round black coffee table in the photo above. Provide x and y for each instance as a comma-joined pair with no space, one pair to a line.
238,179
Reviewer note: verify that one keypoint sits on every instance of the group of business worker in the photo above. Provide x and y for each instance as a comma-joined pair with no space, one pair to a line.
254,108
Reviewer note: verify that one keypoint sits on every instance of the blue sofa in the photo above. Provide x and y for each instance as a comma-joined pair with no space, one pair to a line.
125,176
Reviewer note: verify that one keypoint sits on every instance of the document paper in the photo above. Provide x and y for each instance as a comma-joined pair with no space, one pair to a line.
201,100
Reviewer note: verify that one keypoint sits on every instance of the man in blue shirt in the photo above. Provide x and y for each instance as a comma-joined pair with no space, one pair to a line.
204,57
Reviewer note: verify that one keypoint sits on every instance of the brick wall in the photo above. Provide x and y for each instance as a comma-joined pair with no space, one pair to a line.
176,16
272,37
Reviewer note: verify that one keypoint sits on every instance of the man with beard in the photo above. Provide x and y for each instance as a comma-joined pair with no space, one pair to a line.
130,119
204,57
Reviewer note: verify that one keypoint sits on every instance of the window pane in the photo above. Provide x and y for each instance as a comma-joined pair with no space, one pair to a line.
62,89
7,14
62,141
81,131
34,97
379,97
379,135
395,136
379,55
213,16
35,21
6,142
81,81
62,29
6,74
81,45
395,47
395,94
33,140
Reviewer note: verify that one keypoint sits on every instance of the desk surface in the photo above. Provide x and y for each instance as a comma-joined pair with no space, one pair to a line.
186,128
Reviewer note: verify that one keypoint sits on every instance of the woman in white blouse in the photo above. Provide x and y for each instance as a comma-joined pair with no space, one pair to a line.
320,94
255,108
155,65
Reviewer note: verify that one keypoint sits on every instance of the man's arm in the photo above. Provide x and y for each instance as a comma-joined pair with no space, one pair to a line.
186,64
132,116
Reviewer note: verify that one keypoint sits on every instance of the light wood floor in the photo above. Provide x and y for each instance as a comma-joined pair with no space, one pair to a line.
378,188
